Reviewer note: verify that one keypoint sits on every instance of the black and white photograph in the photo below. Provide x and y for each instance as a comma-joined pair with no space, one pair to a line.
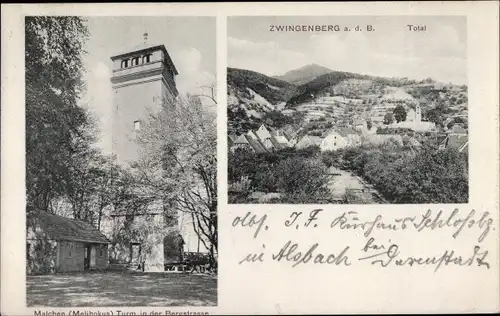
121,161
347,110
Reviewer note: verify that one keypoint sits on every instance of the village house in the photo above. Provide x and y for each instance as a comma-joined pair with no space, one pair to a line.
59,244
338,138
281,138
308,141
414,121
230,139
414,115
457,130
256,145
456,138
360,125
262,140
240,142
252,135
263,133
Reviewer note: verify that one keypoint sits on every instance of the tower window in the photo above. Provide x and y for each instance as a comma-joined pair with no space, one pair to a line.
137,125
135,61
146,58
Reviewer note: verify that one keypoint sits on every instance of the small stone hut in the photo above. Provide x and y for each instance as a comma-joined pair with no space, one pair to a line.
60,244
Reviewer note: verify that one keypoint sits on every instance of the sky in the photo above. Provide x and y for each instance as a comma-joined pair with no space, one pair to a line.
391,50
190,42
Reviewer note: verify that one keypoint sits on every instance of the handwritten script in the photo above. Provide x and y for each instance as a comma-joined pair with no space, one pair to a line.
371,251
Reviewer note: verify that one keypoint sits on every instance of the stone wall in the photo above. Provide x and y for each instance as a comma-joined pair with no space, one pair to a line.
71,256
41,256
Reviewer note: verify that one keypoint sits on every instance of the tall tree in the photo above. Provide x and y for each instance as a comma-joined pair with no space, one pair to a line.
388,118
56,127
179,163
399,113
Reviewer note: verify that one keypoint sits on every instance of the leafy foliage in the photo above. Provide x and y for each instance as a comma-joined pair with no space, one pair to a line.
178,164
299,175
388,118
58,131
306,92
429,176
399,113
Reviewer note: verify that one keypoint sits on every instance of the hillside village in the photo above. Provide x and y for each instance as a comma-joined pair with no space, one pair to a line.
337,112
267,139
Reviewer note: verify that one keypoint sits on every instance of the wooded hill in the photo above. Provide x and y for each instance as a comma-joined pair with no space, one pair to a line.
256,94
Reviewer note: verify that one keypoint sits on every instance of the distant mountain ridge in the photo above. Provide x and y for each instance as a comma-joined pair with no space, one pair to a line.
303,74
335,96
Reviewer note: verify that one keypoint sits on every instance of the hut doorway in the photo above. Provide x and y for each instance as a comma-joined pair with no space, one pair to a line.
86,259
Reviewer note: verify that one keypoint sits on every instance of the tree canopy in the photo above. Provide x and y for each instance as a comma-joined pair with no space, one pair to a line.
399,113
58,131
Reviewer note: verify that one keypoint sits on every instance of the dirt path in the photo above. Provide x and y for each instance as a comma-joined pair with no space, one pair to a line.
343,181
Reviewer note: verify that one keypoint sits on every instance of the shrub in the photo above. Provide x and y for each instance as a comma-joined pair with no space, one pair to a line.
297,175
332,158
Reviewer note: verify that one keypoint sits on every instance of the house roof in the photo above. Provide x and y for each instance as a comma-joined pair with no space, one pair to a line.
456,141
257,146
229,141
252,135
62,228
277,144
288,134
263,128
241,140
458,129
233,137
465,147
342,131
281,139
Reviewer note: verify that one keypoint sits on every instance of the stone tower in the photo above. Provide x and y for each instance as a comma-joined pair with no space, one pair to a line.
418,113
143,81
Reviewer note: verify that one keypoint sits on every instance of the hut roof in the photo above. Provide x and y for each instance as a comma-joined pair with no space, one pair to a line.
62,228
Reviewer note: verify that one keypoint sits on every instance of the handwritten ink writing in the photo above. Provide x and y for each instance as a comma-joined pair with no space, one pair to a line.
373,252
371,245
289,253
253,257
313,217
391,255
427,221
250,220
293,218
346,222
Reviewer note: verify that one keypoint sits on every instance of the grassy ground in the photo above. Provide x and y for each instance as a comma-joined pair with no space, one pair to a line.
121,289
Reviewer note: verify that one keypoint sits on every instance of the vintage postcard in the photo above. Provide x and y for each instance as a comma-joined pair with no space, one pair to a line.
252,158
